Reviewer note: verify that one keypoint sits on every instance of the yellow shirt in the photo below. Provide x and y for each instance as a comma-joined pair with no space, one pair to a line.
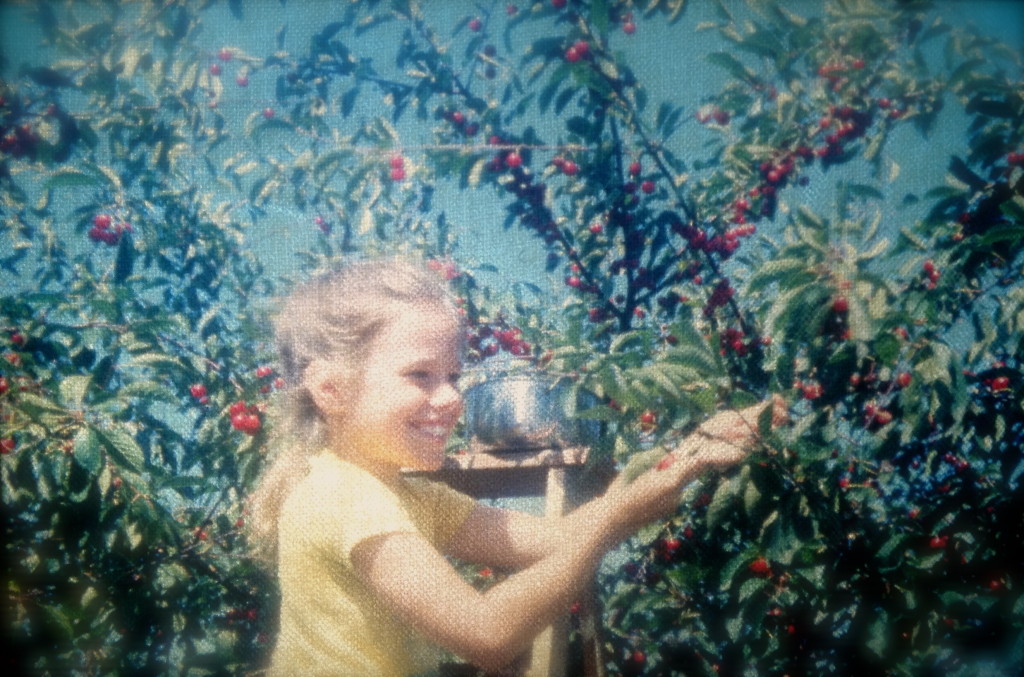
331,624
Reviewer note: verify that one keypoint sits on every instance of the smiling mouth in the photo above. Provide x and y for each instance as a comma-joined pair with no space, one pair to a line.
437,431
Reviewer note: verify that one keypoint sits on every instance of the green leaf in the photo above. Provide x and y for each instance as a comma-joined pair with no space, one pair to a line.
67,177
123,448
731,64
87,450
73,389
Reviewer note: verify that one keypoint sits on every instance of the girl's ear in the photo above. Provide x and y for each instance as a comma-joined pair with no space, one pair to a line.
330,385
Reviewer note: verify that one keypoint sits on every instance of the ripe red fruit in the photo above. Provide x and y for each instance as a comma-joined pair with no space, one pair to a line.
7,445
264,371
215,69
513,160
904,379
224,54
397,174
573,281
397,162
596,228
840,304
569,168
238,407
648,418
647,186
198,390
247,422
629,28
812,391
268,113
938,542
665,462
101,221
635,167
572,55
4,385
475,24
760,567
1001,383
242,81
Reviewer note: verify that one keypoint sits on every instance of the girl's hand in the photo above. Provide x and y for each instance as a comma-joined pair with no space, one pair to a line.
725,438
722,441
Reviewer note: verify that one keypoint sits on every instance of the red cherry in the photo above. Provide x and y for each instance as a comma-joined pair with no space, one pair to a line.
569,168
582,47
629,28
572,55
840,304
648,418
224,54
665,462
397,162
475,24
883,417
238,407
760,567
4,385
1001,383
7,445
513,160
647,186
215,69
635,167
812,391
596,228
264,371
198,390
268,113
101,221
938,542
242,81
397,174
904,379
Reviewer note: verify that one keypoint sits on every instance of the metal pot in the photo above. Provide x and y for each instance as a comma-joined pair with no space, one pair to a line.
527,410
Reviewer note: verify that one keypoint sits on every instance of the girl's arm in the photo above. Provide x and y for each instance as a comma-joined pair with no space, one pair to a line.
416,582
513,540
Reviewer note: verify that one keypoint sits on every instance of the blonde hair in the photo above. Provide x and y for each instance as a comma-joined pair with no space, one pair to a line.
335,316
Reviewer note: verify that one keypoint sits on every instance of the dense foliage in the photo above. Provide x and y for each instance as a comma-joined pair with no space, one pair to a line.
763,239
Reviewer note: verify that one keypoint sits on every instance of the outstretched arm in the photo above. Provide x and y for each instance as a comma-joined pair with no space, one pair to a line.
491,629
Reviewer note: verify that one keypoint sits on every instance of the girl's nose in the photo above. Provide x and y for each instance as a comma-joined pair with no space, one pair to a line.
446,396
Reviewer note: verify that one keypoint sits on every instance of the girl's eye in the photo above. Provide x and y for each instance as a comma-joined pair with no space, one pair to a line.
419,375
453,378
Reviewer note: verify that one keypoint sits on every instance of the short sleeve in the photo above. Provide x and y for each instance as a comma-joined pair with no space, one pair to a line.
345,506
439,510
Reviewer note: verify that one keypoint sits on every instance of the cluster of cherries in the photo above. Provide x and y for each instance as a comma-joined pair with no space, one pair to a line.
461,123
245,417
489,340
104,230
20,141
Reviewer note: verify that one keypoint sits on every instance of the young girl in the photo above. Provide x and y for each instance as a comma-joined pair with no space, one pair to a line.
373,354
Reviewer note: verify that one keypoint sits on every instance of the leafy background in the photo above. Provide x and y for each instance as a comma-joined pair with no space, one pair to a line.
676,207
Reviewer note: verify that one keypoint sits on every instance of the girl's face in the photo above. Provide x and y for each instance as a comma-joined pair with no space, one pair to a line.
404,403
